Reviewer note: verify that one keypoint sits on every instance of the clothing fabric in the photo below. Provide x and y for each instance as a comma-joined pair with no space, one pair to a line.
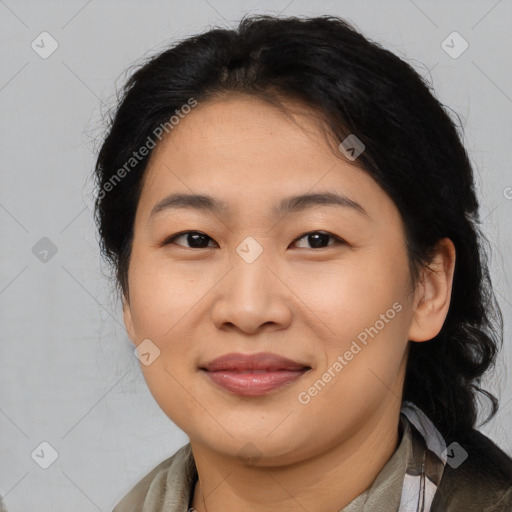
422,475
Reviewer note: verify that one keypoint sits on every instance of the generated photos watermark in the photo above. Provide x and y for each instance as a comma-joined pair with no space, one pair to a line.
150,143
304,397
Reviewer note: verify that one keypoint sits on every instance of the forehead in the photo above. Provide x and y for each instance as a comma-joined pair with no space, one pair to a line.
241,126
241,148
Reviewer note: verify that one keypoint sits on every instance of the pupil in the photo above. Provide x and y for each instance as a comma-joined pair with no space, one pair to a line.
195,235
315,241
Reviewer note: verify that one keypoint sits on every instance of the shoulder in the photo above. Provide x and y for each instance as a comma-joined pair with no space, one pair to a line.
168,482
482,482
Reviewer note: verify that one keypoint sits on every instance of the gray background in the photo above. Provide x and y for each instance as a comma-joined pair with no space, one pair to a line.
67,370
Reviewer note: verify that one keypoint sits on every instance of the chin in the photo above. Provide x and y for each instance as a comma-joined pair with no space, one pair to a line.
255,448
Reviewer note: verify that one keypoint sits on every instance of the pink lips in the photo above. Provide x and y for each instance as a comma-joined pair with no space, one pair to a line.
253,374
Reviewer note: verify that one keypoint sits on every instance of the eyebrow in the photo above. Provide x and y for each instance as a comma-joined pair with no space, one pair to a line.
289,204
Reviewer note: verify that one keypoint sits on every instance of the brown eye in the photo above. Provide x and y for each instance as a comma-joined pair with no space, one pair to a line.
195,239
319,239
198,240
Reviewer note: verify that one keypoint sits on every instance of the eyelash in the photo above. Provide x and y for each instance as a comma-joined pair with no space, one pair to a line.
172,238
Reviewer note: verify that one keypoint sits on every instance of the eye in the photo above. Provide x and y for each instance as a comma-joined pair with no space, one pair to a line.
318,239
196,239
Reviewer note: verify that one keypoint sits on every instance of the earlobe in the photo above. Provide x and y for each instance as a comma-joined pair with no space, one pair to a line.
128,320
433,295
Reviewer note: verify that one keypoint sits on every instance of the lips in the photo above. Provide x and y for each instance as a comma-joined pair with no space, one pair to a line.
253,363
253,374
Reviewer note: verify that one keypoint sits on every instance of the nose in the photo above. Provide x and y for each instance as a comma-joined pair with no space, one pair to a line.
252,297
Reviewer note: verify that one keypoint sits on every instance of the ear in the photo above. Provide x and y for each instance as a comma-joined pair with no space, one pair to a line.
128,321
433,294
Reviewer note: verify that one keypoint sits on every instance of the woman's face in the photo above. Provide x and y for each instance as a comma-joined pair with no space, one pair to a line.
338,302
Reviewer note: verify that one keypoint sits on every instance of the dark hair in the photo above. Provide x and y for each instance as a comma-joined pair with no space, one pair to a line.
412,150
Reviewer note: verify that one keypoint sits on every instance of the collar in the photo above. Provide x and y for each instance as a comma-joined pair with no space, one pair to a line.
425,462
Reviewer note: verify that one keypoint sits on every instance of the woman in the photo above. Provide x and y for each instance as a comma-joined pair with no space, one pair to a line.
340,375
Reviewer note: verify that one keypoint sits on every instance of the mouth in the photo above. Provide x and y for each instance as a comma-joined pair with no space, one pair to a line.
253,374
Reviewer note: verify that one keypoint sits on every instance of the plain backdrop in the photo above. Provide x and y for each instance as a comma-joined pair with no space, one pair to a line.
68,375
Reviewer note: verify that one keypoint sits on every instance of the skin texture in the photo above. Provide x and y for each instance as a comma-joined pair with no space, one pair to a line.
305,303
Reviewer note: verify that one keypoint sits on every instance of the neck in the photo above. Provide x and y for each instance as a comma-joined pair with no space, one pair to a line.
325,482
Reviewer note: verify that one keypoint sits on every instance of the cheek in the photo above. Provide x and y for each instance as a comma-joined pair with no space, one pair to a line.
348,296
362,316
162,294
169,384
